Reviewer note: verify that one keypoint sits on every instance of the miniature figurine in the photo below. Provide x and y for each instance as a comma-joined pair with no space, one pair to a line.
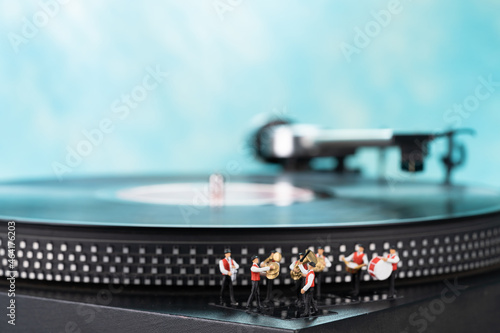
228,267
255,274
323,263
270,260
296,275
354,263
393,259
308,290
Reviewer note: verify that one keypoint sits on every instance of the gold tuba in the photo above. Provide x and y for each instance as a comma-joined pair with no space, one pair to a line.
320,265
275,267
308,257
296,275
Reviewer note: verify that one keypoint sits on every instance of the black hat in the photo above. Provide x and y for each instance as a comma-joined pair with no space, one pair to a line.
320,248
273,251
312,264
255,257
301,254
361,245
227,251
392,247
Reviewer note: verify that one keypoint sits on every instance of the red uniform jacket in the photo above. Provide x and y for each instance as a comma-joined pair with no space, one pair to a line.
394,266
358,259
255,276
307,278
226,264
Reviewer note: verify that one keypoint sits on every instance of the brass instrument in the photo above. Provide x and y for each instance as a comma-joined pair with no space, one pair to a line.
320,265
309,257
275,267
295,273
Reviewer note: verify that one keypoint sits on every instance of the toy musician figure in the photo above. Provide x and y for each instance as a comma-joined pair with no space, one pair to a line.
354,263
323,263
269,281
308,290
296,275
255,274
393,259
228,267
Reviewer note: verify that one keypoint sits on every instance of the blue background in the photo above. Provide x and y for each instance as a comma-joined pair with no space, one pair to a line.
230,62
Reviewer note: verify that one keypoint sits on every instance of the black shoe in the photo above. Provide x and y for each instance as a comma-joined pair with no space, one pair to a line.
304,314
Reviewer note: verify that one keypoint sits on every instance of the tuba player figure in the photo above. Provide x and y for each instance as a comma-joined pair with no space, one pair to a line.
255,274
299,280
269,282
325,263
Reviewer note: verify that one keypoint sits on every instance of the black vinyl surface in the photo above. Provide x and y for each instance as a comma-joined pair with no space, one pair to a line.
340,201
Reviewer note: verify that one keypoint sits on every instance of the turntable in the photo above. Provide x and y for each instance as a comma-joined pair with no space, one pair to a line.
132,253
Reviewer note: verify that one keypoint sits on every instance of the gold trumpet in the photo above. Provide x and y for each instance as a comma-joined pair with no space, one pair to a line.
308,257
275,267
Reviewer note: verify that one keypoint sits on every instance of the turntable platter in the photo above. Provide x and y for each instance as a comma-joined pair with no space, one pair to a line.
298,200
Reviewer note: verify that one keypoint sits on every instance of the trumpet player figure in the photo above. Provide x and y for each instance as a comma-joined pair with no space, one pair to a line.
255,275
228,267
299,280
269,282
393,259
354,263
323,263
310,307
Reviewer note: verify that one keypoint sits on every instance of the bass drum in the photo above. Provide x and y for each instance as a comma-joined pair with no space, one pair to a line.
379,269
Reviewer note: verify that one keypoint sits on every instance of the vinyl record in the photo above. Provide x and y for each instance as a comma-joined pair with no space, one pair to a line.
286,201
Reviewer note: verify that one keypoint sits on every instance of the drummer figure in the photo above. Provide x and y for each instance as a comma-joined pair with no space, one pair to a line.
299,302
255,277
227,267
361,260
393,259
319,275
269,281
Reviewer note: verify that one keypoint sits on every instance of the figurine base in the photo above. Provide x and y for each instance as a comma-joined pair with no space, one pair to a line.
280,311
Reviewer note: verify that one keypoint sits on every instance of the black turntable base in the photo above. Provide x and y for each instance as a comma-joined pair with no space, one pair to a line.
452,305
141,253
